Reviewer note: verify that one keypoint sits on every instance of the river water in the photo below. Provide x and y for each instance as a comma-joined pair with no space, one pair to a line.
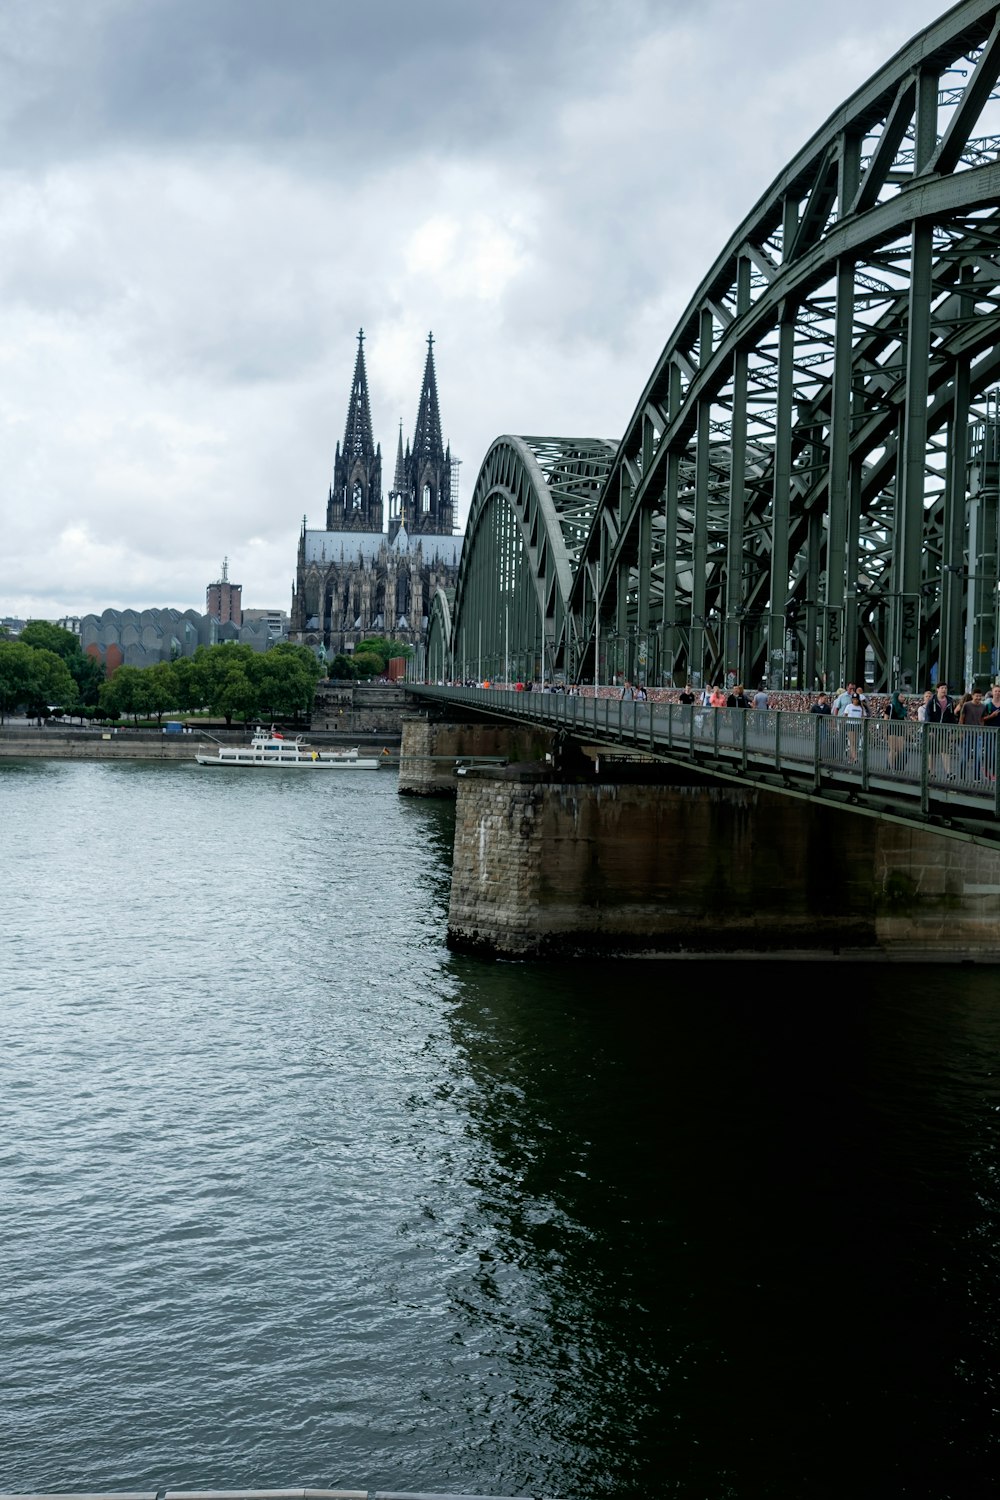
289,1195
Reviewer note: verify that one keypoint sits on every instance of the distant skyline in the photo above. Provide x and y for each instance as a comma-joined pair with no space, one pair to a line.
204,200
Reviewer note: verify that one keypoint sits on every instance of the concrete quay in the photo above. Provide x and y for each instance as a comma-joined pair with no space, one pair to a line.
27,742
244,1494
21,741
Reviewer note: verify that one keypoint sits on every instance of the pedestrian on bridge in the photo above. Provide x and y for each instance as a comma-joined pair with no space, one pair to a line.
991,720
971,714
897,714
941,710
854,711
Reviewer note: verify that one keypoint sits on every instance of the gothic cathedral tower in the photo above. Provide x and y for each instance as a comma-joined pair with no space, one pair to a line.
355,502
352,580
420,499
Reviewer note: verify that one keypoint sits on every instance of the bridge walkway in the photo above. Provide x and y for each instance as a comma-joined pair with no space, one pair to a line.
939,774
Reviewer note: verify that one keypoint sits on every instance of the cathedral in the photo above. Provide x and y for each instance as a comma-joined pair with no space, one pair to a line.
356,578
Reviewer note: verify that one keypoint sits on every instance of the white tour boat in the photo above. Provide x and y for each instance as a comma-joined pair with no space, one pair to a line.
270,748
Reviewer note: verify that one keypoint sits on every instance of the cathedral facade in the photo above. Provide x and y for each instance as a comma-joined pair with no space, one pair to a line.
359,576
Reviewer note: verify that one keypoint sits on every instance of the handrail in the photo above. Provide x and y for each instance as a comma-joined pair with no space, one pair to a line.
913,761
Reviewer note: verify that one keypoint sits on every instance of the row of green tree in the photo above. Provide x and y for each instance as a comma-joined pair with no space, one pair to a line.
45,668
232,681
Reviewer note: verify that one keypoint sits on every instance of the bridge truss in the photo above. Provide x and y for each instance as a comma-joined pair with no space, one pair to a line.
806,492
531,512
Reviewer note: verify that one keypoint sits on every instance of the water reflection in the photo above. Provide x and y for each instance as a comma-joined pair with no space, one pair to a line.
759,1207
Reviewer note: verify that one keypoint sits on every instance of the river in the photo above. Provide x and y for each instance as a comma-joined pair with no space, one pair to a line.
291,1196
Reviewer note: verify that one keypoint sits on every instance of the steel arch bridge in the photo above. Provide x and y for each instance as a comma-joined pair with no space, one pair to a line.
806,492
532,509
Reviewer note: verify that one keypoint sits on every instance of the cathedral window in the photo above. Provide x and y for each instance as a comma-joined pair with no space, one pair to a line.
426,499
356,495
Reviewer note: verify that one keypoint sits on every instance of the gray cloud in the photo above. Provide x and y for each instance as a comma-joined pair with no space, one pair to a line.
342,82
202,200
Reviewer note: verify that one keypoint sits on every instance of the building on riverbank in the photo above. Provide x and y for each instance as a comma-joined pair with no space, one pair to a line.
140,638
224,599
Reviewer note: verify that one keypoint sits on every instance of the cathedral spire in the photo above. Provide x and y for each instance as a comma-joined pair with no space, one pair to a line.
399,481
427,467
355,500
427,436
358,430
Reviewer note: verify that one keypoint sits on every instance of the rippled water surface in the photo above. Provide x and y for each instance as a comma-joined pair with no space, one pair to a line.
291,1196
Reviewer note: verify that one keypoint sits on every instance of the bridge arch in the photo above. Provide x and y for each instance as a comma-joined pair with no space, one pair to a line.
438,664
530,513
807,489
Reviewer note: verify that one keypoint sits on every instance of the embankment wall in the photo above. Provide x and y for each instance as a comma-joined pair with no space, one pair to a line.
61,744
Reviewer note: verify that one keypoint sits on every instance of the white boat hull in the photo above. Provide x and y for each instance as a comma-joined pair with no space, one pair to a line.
271,751
281,763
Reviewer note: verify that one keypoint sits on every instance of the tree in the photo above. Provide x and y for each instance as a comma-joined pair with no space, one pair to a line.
342,668
238,696
286,677
190,677
368,663
87,671
52,683
161,688
383,646
89,676
217,667
33,678
16,675
51,638
127,692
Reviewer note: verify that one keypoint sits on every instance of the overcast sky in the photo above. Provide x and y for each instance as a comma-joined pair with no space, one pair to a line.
201,201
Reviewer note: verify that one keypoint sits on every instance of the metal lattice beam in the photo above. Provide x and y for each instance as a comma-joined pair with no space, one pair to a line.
531,513
807,490
790,499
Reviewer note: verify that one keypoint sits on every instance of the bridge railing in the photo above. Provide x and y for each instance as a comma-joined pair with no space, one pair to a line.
910,759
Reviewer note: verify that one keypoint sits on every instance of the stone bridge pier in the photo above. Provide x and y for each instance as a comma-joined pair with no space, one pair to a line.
431,751
544,868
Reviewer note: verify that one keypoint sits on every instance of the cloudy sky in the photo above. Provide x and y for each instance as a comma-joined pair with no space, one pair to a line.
201,201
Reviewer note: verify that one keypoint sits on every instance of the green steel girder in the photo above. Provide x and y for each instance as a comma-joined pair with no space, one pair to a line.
438,665
786,499
531,513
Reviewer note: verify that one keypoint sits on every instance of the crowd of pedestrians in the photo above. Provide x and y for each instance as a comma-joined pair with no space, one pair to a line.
968,757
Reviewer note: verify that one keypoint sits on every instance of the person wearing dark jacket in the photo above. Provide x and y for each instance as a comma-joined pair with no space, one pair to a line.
941,710
737,698
897,714
991,720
